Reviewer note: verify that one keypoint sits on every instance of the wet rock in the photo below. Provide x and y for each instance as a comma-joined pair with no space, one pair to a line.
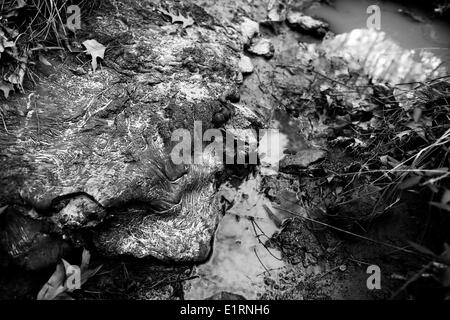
249,30
28,242
262,47
302,160
185,236
298,21
245,65
95,149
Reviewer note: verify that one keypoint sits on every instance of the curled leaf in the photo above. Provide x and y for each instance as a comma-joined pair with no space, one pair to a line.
55,285
95,50
186,21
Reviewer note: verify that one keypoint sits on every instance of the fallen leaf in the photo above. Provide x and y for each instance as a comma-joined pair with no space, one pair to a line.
54,286
403,133
6,88
44,61
4,42
95,50
186,21
85,258
19,73
57,288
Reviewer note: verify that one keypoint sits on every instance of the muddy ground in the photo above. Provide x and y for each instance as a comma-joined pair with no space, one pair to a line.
317,261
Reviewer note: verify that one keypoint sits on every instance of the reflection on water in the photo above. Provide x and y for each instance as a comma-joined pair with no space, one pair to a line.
241,260
381,58
411,28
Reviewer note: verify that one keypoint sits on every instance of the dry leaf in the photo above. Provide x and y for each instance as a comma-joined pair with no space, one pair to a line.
95,50
56,288
6,88
16,77
55,285
4,42
44,61
186,21
85,258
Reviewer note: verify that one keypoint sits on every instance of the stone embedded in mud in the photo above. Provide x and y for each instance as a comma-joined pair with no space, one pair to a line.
298,21
302,160
245,65
249,30
262,47
276,15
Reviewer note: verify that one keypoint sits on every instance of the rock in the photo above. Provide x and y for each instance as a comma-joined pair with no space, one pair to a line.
80,212
298,21
262,47
249,29
28,242
185,236
302,160
276,15
99,152
245,65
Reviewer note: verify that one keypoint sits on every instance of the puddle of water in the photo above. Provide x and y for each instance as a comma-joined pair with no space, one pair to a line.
432,35
240,260
272,147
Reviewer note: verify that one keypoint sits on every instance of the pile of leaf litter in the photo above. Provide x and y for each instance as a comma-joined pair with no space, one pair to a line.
27,29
